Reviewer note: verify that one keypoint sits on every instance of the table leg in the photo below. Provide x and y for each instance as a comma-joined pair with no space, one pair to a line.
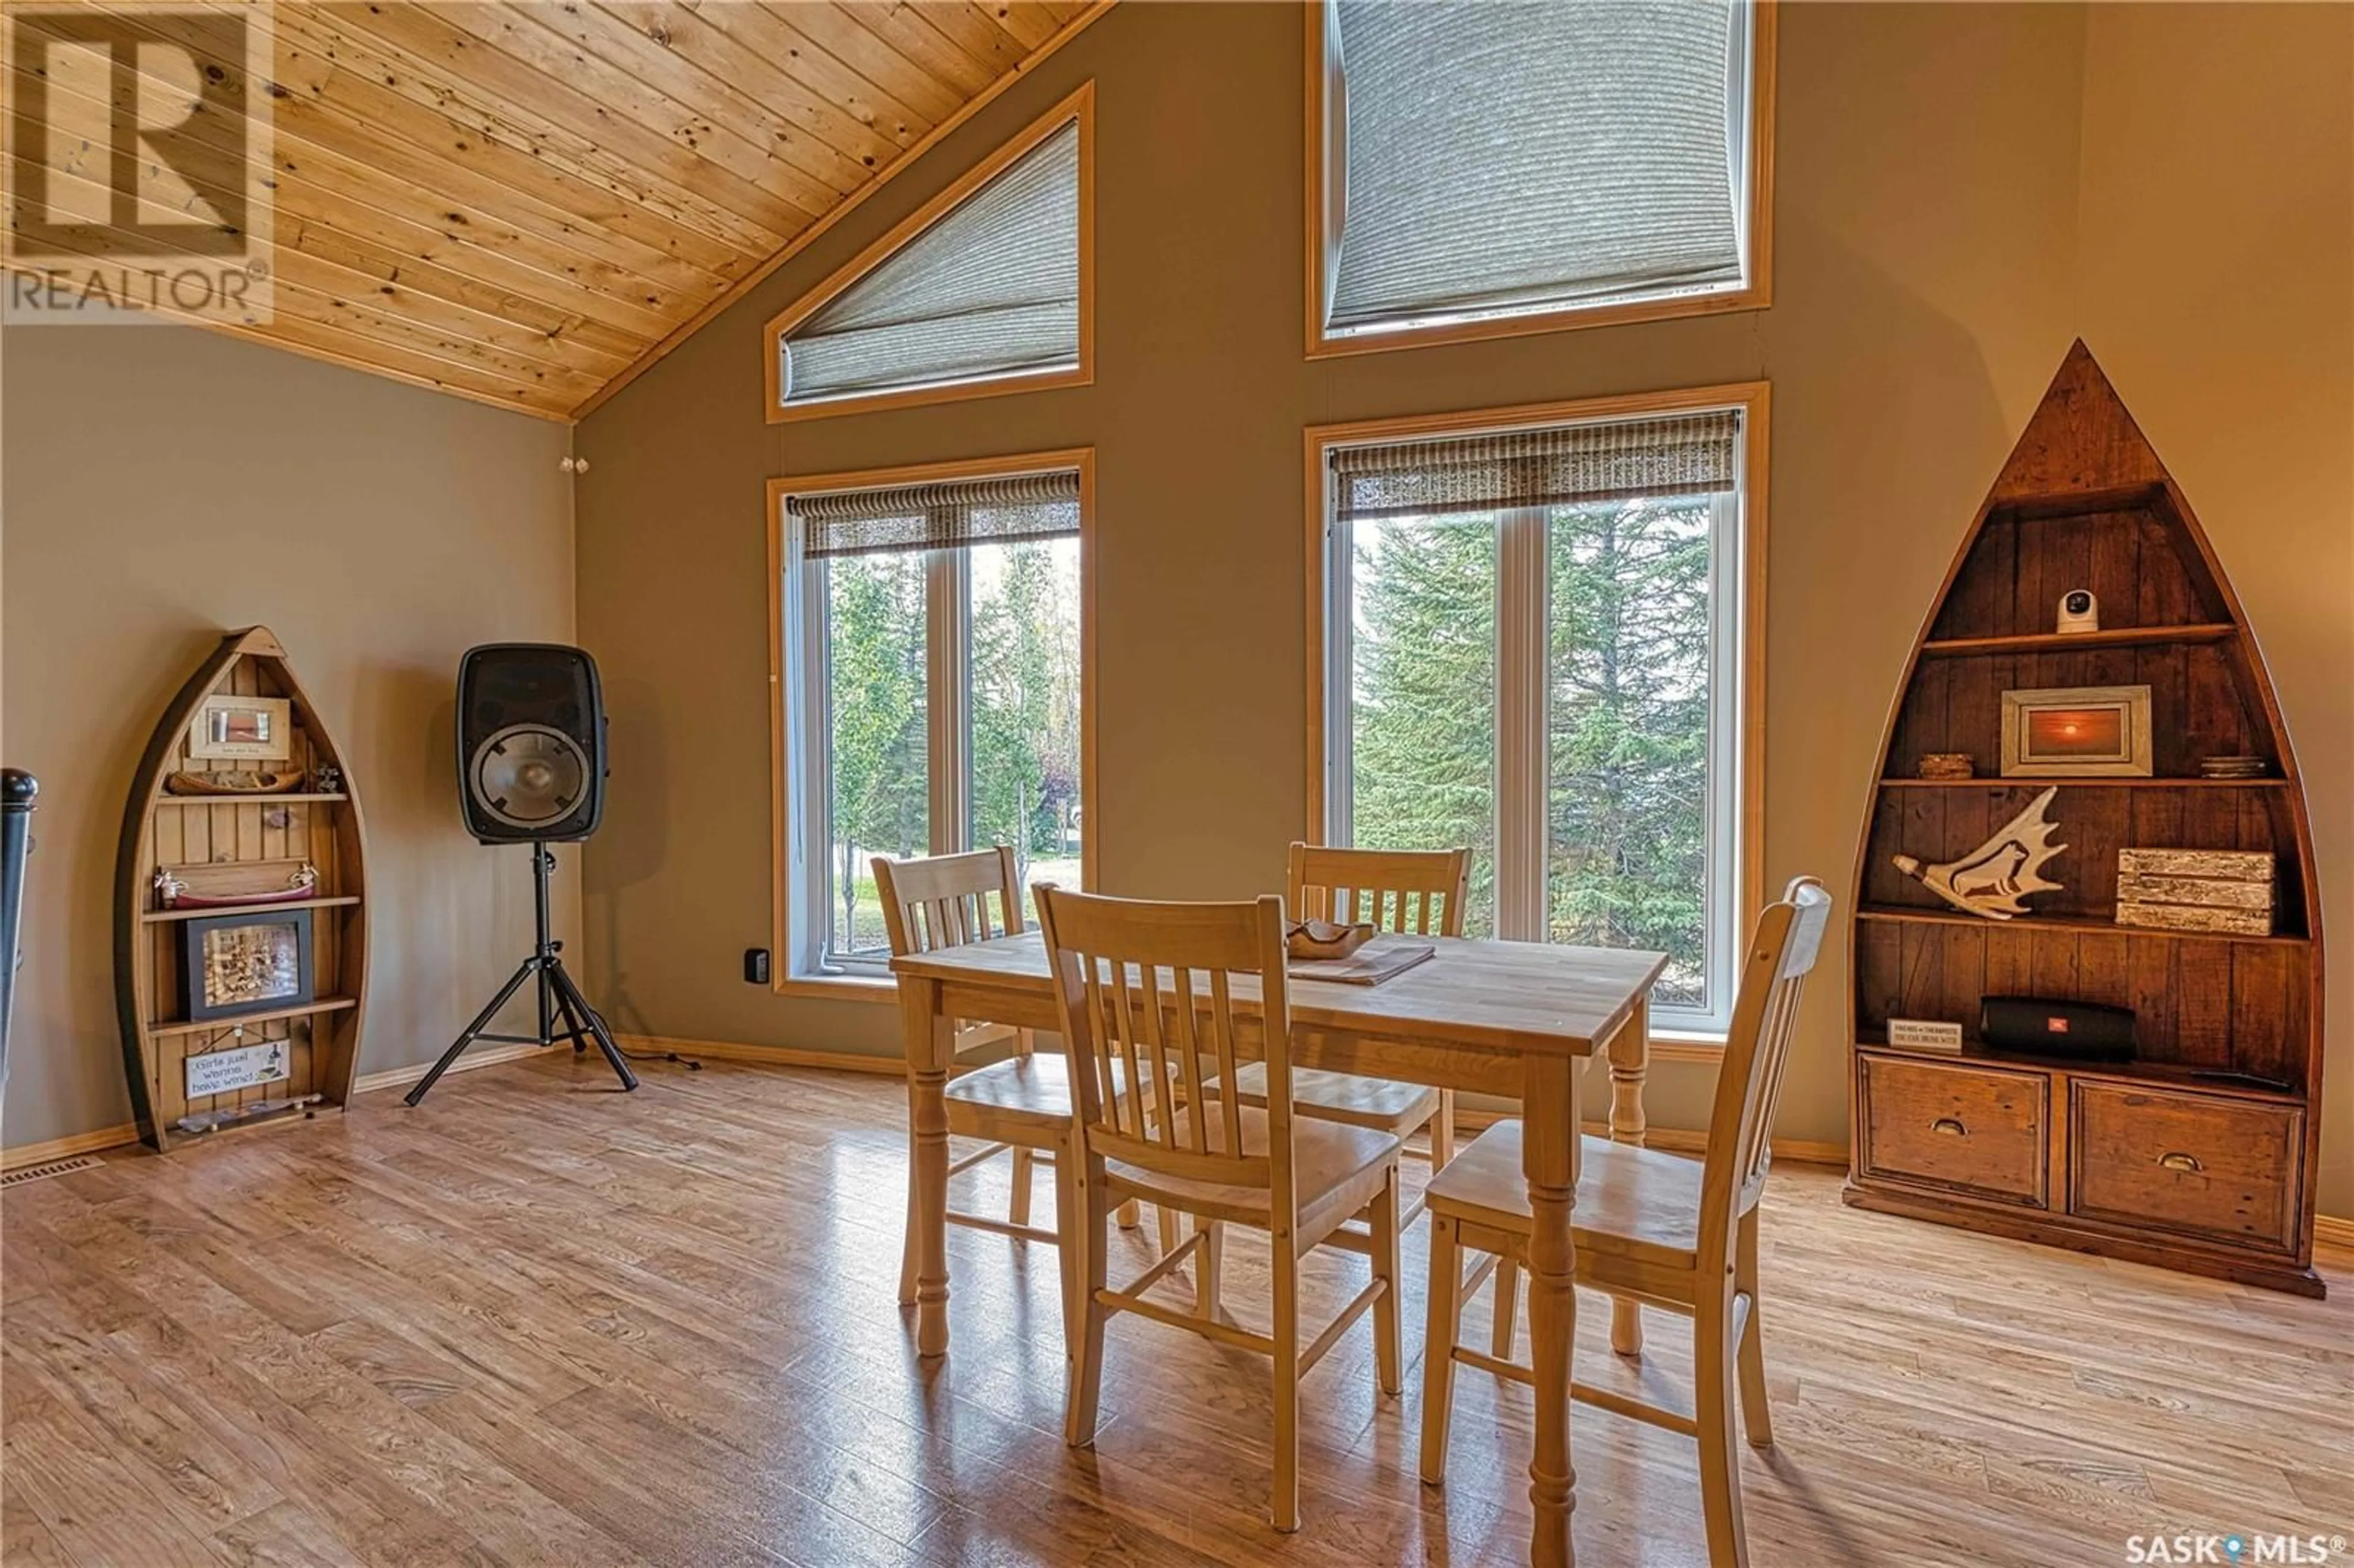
1550,1161
930,1039
1631,1063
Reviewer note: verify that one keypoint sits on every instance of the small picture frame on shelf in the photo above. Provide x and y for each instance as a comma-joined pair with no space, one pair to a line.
232,965
243,729
2076,732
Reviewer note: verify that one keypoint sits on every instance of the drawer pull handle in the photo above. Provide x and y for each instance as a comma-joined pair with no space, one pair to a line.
1949,1127
2179,1162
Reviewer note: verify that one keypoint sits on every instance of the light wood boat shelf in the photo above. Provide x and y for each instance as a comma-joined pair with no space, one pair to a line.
251,1021
200,914
2201,1152
230,846
248,799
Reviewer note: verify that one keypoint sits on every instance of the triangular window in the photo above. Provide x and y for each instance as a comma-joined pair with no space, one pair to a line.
983,289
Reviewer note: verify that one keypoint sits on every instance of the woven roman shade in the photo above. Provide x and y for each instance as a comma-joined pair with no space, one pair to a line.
991,288
1499,154
937,517
1683,454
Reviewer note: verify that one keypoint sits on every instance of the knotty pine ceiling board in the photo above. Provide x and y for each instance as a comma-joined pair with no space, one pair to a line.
527,201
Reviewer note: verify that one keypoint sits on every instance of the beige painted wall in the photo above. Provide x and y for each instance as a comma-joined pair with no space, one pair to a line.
2217,284
1933,163
161,484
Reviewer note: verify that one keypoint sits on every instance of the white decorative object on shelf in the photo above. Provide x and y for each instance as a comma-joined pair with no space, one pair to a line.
1995,879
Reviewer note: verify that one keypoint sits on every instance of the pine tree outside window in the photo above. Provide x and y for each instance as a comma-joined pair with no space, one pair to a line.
930,631
1534,643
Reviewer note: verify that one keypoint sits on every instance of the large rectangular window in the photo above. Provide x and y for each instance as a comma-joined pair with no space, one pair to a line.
1533,645
1482,168
930,638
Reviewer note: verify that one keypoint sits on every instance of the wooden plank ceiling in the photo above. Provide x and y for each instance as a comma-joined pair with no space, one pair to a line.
527,201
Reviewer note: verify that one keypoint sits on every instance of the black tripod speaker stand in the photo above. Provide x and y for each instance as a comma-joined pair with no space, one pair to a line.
557,995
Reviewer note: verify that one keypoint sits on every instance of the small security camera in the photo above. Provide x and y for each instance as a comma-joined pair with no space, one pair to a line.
2079,611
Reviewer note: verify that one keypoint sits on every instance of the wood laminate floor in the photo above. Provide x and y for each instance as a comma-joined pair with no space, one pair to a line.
537,1321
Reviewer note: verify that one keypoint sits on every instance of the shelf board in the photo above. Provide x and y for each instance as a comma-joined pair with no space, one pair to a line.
2169,1073
182,1026
1985,782
256,798
2077,642
208,911
2104,500
2078,925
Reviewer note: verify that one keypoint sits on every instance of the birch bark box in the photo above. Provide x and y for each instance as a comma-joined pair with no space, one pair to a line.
2227,891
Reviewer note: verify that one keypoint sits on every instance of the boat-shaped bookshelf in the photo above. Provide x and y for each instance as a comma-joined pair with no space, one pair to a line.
243,810
2198,1153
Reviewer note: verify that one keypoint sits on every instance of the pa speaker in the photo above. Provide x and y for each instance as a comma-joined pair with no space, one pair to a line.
531,743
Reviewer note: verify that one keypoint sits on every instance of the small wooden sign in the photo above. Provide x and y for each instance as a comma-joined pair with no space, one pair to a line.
1925,1035
2227,892
239,1067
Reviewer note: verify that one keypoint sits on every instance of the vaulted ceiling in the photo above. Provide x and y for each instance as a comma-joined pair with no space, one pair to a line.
527,201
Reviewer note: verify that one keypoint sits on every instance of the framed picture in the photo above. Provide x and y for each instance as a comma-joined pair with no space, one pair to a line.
235,964
258,729
2076,732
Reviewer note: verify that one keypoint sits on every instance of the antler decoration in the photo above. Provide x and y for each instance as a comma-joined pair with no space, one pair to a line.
1994,879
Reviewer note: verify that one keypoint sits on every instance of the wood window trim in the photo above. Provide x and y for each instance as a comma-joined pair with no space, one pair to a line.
861,988
1754,398
1079,107
1755,295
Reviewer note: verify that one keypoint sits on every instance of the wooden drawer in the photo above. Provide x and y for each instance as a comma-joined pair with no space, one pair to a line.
1979,1131
2203,1165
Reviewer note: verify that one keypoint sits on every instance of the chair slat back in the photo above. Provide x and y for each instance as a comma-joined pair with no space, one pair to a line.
1146,994
1781,953
1421,891
943,902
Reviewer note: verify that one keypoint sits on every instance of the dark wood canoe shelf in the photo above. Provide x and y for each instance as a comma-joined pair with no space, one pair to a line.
2037,786
2201,1152
2081,924
2169,1074
2079,642
230,845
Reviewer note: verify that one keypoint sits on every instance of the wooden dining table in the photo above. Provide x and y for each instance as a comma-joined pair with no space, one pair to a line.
1515,1019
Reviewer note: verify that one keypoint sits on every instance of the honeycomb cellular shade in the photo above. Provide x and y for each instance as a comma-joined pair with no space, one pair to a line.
990,290
1500,156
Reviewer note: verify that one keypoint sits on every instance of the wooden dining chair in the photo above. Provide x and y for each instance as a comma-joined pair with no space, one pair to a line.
1021,1106
1650,1227
1148,987
1418,891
